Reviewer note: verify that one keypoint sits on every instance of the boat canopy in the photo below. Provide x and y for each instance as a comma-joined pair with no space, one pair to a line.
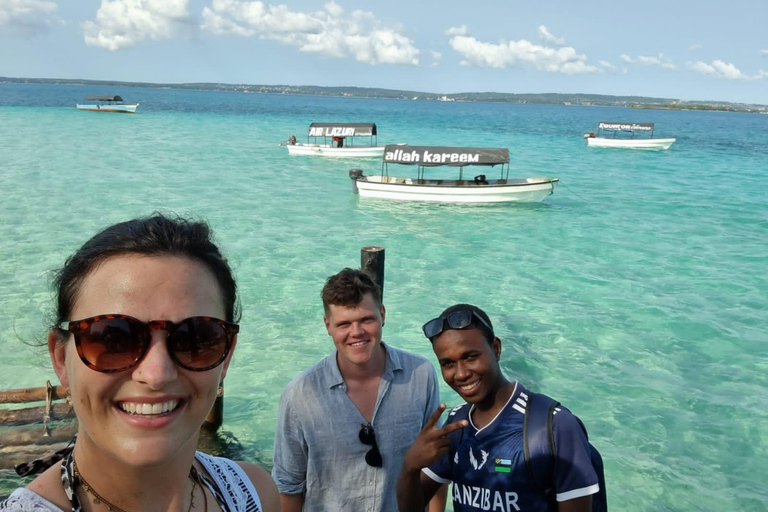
432,156
342,130
625,127
103,97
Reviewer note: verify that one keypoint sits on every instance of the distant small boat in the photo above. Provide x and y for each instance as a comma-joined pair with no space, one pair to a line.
473,189
627,140
342,144
107,103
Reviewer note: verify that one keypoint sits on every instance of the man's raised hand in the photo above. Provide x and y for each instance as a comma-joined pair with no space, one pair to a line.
431,443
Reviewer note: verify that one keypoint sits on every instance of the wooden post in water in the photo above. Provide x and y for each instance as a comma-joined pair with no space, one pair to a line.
216,417
372,262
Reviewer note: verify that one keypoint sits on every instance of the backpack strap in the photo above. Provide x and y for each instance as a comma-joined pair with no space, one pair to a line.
539,441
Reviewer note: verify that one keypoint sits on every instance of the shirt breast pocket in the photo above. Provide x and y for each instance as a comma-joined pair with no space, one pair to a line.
405,429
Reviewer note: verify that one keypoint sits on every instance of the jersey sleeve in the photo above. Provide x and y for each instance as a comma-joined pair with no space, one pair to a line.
442,470
574,474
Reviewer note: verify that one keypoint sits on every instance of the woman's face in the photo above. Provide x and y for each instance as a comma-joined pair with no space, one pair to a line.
111,408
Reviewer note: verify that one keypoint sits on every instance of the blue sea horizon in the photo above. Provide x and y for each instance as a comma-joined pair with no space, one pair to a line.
635,294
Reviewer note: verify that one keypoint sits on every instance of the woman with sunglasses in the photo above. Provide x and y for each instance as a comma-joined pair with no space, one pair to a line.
144,333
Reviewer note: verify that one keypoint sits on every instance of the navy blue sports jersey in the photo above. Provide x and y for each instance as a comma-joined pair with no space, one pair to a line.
487,466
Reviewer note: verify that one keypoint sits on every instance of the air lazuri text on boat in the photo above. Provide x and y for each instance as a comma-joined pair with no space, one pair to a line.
342,141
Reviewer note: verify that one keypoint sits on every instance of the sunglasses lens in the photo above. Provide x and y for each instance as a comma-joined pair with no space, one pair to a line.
460,319
373,457
110,344
433,328
366,435
199,343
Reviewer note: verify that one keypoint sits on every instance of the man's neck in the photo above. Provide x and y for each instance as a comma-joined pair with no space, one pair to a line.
485,411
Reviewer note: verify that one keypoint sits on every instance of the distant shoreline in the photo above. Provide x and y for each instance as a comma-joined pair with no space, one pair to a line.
640,102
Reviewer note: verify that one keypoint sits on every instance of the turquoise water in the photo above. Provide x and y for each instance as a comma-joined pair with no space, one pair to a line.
636,294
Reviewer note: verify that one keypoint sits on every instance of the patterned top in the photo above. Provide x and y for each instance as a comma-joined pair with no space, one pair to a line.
228,483
317,449
487,465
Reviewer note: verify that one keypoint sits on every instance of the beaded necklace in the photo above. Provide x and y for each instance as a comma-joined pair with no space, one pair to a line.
193,475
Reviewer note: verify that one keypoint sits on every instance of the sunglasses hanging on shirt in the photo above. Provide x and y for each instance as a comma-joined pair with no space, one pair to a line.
368,437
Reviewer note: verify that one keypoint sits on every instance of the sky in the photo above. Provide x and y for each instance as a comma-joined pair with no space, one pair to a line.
694,50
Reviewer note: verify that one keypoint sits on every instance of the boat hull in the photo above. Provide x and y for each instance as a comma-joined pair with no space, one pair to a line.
330,151
603,142
529,190
126,109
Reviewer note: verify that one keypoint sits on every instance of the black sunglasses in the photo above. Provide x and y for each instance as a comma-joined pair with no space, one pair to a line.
115,343
457,320
368,437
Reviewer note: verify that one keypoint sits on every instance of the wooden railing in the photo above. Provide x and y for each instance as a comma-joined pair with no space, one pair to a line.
29,432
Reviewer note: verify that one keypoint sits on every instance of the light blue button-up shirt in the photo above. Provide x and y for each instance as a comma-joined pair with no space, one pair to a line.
317,449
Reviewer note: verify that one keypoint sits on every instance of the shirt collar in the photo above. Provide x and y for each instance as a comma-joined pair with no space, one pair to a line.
392,365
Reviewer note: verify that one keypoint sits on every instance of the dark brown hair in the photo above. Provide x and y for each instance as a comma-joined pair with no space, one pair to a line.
157,235
348,287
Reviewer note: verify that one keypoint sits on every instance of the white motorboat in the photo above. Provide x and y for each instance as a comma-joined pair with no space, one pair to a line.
477,189
627,138
107,103
342,141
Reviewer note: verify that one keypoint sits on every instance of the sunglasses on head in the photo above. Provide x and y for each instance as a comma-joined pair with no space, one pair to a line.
116,343
456,320
368,437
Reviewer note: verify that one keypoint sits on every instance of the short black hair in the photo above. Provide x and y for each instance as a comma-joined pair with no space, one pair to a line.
488,333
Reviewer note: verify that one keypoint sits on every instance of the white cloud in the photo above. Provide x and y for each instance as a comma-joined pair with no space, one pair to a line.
610,68
695,47
436,56
332,32
660,61
764,53
25,11
125,23
457,31
548,38
509,54
720,69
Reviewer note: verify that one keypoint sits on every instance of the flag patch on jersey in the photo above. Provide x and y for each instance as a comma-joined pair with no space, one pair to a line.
503,466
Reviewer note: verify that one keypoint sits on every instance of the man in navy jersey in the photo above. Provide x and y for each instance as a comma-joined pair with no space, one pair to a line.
480,447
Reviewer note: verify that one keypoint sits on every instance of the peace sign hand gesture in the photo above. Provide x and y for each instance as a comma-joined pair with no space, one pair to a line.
431,443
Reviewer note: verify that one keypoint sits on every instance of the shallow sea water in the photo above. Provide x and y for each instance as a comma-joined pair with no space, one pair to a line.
636,294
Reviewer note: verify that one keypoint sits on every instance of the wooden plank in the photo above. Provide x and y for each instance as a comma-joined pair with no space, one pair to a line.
16,396
25,436
35,415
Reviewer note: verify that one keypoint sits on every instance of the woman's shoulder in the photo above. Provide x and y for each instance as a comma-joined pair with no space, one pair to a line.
26,500
232,474
265,486
48,489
